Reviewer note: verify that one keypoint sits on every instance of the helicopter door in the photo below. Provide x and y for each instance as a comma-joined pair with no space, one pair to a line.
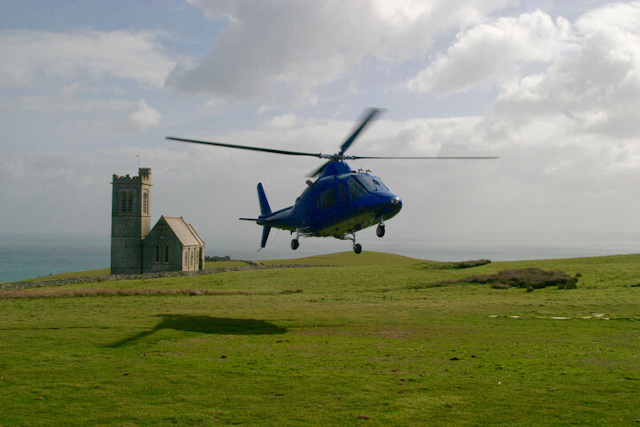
334,197
328,198
332,203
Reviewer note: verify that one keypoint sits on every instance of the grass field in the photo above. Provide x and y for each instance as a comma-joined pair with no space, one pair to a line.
373,339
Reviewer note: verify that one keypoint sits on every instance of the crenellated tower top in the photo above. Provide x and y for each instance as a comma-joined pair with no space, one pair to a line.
143,177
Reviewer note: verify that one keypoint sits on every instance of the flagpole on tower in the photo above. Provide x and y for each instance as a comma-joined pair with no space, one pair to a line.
138,157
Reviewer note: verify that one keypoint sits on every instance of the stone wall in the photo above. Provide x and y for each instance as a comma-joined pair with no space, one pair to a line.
114,277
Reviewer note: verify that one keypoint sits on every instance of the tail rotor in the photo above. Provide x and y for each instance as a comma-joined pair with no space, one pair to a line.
265,209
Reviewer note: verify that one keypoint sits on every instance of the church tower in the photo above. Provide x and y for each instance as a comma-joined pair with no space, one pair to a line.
130,221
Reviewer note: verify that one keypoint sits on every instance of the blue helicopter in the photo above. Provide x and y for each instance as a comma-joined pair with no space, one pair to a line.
338,204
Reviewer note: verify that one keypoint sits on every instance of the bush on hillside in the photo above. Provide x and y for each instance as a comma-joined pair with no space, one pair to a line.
459,265
471,264
528,278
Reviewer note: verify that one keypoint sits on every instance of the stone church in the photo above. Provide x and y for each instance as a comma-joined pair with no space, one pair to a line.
172,244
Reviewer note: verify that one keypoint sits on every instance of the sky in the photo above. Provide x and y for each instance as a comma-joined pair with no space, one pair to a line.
90,89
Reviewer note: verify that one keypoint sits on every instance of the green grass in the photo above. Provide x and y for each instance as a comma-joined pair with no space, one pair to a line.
372,339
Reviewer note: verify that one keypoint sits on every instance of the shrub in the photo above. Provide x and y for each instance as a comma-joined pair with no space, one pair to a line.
528,278
470,264
432,265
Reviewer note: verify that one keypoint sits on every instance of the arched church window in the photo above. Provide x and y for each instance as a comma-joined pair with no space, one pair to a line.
126,202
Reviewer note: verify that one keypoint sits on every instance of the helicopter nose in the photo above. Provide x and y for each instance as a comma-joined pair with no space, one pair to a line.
394,205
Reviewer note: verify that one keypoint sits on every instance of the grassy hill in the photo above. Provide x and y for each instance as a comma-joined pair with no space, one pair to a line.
376,338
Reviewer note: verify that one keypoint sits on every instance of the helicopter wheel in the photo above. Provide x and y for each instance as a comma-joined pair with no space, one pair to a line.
380,230
357,248
295,244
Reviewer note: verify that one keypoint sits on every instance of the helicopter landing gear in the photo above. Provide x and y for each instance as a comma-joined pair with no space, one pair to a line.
295,243
357,247
380,230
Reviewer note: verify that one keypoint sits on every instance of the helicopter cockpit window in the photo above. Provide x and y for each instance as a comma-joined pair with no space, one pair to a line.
368,183
380,185
356,188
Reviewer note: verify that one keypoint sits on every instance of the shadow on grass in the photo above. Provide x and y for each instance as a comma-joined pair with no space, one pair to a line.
206,325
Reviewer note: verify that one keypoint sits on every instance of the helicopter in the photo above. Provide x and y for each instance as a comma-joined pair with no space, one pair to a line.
339,203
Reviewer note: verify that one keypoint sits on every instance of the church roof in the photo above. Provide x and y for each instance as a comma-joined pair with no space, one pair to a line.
183,231
193,230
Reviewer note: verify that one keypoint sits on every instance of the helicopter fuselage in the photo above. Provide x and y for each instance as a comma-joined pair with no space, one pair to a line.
338,204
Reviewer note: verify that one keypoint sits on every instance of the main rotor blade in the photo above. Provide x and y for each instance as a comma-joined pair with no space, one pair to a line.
370,116
247,147
318,172
421,158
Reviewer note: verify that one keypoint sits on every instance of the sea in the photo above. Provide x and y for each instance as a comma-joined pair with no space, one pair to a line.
25,257
31,256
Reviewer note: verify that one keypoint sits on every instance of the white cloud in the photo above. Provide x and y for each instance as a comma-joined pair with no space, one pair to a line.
295,47
29,58
145,116
60,104
616,15
283,121
596,86
487,53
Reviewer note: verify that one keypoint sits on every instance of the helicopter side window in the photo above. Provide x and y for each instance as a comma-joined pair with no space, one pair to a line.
356,188
328,198
342,193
